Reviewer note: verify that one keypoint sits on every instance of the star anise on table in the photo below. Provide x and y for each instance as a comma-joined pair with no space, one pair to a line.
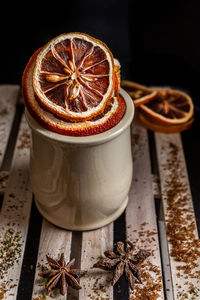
61,275
123,262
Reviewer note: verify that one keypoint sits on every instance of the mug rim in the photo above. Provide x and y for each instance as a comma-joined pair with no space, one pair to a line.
91,139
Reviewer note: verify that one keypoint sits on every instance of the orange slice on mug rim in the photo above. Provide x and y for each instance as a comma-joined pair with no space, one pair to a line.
111,115
74,77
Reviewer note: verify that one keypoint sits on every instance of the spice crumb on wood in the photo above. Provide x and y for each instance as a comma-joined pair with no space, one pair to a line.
4,175
151,274
181,226
24,140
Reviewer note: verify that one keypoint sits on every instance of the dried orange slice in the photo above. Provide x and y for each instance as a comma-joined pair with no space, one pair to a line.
111,115
74,76
140,94
163,128
169,107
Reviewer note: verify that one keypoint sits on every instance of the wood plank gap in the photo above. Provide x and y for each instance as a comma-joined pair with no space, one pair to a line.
120,290
152,153
9,96
182,235
8,154
162,235
30,256
76,247
166,273
1,198
141,218
155,174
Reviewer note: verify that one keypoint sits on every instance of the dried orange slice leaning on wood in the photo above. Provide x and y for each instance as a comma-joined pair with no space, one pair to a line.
163,128
169,107
74,76
140,94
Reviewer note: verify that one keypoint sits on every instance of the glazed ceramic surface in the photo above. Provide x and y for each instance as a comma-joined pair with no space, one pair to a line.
82,183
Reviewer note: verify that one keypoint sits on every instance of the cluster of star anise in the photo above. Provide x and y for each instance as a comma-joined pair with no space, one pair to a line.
122,262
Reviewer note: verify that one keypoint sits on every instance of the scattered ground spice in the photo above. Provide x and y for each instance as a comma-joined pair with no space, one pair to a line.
151,274
134,139
10,250
3,291
181,226
24,140
151,288
4,175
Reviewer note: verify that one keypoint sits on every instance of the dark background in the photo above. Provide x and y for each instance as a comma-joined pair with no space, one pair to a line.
157,43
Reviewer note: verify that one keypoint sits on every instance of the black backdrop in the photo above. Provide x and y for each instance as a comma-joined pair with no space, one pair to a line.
157,43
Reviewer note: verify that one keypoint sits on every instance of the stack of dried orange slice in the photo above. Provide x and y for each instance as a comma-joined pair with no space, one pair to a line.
164,109
71,86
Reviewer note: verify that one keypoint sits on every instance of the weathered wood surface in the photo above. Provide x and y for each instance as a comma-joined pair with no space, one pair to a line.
182,234
15,211
141,223
145,226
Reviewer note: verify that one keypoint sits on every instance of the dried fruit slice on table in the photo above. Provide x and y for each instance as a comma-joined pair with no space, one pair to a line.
74,76
164,128
111,115
169,107
140,94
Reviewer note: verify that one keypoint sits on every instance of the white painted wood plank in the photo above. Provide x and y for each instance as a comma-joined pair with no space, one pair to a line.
8,98
179,215
53,242
97,283
16,211
141,218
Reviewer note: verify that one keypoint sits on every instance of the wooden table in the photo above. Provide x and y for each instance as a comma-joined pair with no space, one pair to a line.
158,163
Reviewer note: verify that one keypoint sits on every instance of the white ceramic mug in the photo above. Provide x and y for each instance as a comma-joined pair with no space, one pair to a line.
82,183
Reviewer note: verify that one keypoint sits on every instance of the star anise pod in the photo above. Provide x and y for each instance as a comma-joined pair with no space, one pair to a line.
123,262
61,275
